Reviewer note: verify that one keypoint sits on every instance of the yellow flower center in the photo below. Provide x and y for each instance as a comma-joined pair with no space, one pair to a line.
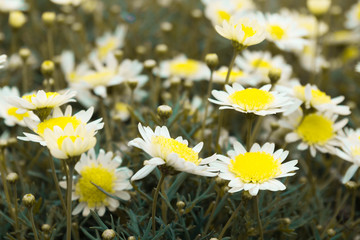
99,78
100,176
317,97
223,15
255,167
48,95
276,32
260,63
12,112
109,46
315,129
170,145
355,150
61,139
252,99
61,122
186,67
248,31
234,75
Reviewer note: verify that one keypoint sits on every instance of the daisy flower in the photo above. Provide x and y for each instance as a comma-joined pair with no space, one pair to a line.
183,67
317,131
353,16
109,42
255,170
9,112
313,97
104,172
245,31
61,121
350,151
170,152
251,100
310,60
13,5
3,58
121,111
285,32
260,63
236,75
41,103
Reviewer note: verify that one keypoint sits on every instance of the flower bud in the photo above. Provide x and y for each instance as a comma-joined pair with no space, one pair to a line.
161,49
48,18
108,234
164,111
212,60
331,232
149,64
131,238
12,178
47,68
45,228
133,83
24,54
274,75
180,205
318,7
119,54
17,19
28,200
196,13
166,26
141,50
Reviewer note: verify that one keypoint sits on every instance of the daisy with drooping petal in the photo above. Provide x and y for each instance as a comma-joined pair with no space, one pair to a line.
251,100
255,170
41,103
183,67
61,120
9,112
313,97
350,151
102,171
244,31
317,131
170,152
284,32
353,16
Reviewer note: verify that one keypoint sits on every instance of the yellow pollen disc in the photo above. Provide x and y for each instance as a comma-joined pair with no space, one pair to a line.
259,63
48,95
187,67
248,31
315,129
276,32
355,150
252,99
233,75
223,15
99,78
317,97
169,145
109,46
59,121
100,176
61,139
12,112
255,167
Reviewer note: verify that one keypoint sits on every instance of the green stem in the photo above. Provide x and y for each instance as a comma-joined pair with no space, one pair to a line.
156,194
211,218
31,216
231,66
250,119
207,104
3,179
108,136
68,200
261,233
16,212
56,181
25,79
229,222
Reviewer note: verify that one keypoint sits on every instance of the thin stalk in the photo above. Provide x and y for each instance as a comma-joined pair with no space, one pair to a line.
56,181
164,206
31,216
316,46
207,104
231,66
156,194
68,200
3,179
25,78
250,120
16,212
211,218
261,233
256,128
50,44
108,136
229,222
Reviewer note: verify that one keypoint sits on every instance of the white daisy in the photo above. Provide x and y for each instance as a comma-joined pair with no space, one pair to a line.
350,151
236,75
244,30
260,63
104,172
13,5
9,112
121,111
255,170
170,152
109,42
61,120
251,100
353,16
183,67
317,131
311,58
285,32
